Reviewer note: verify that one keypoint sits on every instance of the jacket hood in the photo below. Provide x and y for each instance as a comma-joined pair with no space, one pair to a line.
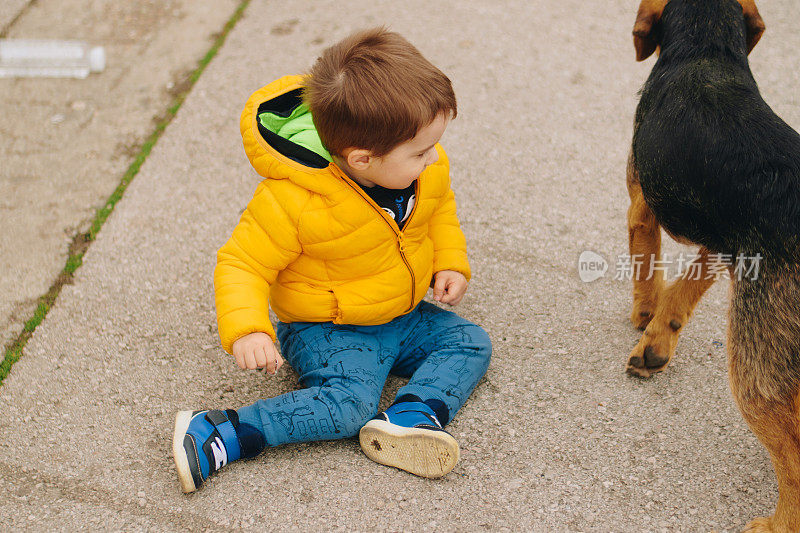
280,139
296,126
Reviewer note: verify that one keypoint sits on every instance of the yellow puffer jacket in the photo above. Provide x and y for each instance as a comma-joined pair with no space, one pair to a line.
316,247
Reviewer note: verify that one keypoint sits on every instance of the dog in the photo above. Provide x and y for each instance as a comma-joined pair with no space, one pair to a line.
714,166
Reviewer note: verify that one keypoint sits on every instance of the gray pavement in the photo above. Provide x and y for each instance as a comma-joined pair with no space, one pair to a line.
555,438
66,143
11,9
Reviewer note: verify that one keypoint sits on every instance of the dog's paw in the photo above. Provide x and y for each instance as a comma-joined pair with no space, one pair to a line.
760,525
645,303
655,349
641,316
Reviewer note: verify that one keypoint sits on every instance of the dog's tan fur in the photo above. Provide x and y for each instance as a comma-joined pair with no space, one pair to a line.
661,311
764,328
763,324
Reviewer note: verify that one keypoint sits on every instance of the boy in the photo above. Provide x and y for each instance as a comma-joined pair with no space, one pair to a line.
354,221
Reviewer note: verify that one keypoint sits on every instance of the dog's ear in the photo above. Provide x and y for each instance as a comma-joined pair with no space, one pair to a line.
649,14
754,22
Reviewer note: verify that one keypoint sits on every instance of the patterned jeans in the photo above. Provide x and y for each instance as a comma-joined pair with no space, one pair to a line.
345,367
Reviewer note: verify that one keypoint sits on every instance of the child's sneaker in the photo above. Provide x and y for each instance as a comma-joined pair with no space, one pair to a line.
409,436
205,441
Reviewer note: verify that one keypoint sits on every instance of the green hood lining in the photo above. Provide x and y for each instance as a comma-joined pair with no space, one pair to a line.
290,119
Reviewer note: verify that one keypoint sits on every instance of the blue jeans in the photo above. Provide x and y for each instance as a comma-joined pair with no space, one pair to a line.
344,369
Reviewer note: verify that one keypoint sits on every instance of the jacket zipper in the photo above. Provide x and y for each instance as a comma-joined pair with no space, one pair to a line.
393,225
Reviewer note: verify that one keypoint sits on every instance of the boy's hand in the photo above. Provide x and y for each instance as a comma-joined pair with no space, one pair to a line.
449,286
257,350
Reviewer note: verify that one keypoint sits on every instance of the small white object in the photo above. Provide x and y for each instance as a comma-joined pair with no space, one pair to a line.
49,58
97,59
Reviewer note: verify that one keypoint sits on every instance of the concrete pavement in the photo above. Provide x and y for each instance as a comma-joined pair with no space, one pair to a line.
11,10
67,143
555,438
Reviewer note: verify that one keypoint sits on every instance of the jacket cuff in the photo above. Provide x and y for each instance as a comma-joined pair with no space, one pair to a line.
237,324
452,259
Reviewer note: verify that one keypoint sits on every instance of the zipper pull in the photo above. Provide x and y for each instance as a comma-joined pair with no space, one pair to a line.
401,242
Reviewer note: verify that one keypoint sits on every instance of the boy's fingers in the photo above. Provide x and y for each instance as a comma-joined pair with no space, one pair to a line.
260,356
237,354
439,288
273,358
451,290
455,291
278,360
250,359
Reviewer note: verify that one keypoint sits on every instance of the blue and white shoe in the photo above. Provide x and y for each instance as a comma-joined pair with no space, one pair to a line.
409,436
205,441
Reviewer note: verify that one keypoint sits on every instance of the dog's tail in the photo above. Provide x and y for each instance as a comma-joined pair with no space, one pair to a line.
764,330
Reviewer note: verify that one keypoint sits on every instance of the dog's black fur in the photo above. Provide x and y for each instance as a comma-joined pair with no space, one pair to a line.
717,166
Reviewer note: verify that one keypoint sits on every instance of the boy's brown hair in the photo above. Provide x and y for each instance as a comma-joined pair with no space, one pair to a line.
374,90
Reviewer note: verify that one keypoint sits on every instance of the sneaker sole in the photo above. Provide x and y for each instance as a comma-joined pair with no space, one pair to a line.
182,420
423,452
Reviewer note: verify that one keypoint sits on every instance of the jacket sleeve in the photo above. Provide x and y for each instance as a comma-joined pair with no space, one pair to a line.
449,243
263,243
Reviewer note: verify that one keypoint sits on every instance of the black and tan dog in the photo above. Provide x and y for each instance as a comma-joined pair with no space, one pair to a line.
713,165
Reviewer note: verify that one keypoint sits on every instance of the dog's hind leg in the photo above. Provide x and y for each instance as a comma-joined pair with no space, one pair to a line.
644,245
764,373
777,426
675,305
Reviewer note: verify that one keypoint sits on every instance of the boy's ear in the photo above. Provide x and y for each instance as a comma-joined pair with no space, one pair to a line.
754,22
649,14
357,158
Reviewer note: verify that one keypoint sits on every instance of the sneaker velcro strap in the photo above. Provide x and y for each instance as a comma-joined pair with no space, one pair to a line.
216,417
227,432
414,407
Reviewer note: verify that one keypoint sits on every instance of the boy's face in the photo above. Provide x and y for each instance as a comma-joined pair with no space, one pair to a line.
400,167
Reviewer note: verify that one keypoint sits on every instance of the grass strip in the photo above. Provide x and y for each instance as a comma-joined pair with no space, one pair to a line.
80,243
